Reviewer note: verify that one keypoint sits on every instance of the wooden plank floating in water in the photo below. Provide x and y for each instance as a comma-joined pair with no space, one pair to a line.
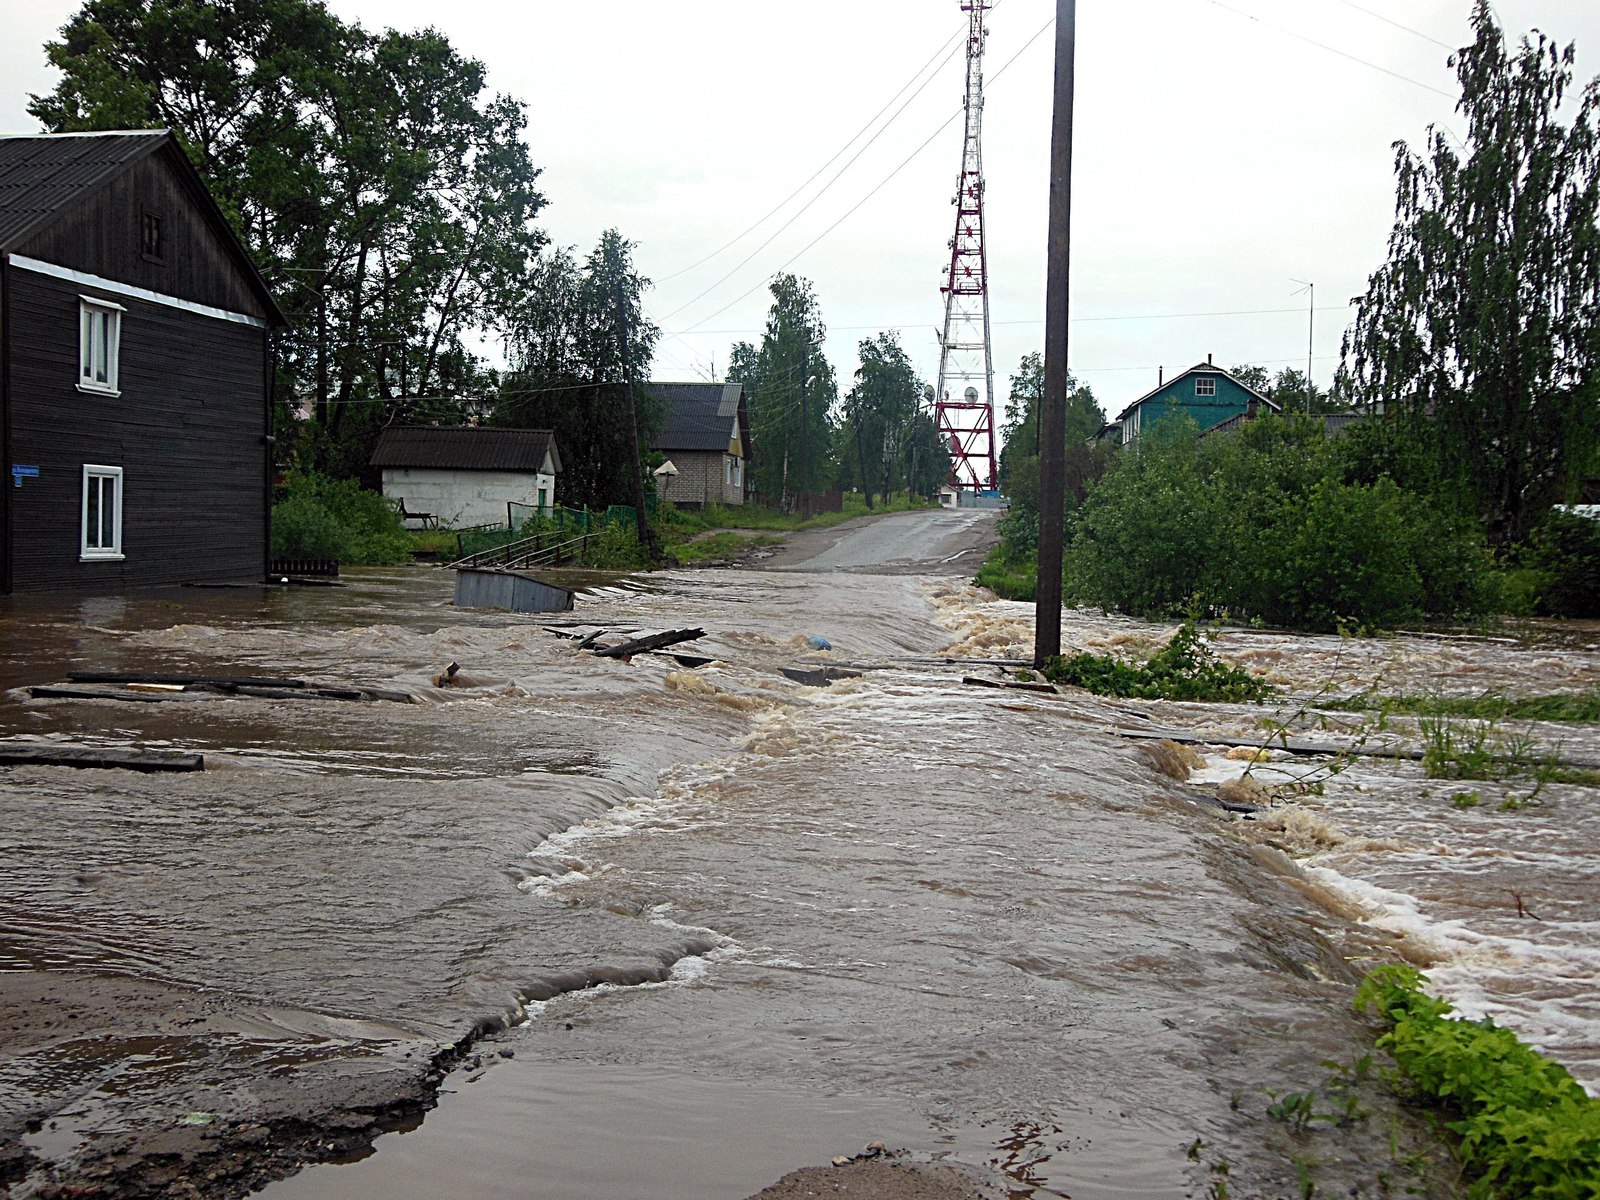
1011,685
159,693
13,754
185,680
1319,749
656,641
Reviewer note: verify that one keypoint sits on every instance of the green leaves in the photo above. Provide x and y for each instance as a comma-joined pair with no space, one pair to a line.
1183,669
1482,330
1527,1130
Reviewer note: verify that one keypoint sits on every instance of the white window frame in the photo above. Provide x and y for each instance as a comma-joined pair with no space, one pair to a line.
1205,387
97,316
94,474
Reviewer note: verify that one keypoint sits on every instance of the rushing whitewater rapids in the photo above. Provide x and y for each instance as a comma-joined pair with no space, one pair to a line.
687,930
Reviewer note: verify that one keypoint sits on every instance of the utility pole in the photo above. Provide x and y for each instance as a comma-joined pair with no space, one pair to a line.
647,536
1311,331
1053,408
805,431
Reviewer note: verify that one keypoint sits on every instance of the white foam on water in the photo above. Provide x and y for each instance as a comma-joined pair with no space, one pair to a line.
1465,961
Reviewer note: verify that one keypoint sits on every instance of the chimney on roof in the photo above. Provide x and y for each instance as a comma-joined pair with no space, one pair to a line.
1250,408
1161,376
1208,360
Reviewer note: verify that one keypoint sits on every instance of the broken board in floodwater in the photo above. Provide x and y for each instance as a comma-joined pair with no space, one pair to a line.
513,591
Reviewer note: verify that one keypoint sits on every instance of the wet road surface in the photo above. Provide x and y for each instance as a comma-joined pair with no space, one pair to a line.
734,925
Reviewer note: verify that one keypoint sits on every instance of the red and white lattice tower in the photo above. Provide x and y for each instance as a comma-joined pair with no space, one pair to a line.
964,401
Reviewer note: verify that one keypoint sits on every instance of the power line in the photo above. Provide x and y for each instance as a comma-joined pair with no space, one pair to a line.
1300,37
1378,16
839,174
777,208
1236,312
850,212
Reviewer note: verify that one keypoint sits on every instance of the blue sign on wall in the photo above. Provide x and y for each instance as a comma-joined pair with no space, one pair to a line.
19,473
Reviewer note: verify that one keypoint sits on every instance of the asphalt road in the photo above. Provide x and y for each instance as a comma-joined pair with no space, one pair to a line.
926,542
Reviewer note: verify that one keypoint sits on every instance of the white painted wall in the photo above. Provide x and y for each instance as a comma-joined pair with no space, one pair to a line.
462,498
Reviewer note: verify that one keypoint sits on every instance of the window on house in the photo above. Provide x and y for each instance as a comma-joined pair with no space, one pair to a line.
1205,387
99,342
102,513
150,237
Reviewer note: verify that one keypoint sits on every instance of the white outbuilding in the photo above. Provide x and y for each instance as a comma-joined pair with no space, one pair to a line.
466,476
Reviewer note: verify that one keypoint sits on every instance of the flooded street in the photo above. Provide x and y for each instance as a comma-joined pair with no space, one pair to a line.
663,931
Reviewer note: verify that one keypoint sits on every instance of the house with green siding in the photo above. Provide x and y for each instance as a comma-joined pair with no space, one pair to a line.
1206,392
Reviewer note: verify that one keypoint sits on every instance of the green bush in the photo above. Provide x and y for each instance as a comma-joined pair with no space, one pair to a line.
1527,1129
1565,549
335,518
1010,578
1267,523
1183,669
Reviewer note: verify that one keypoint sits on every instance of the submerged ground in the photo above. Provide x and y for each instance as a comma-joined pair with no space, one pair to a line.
654,930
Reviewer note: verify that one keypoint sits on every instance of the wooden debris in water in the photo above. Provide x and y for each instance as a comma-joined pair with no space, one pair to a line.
14,754
656,641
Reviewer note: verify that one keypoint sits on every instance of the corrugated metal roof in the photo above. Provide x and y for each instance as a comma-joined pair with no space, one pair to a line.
41,174
699,416
466,448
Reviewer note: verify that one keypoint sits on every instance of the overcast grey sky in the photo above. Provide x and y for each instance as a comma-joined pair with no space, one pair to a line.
1224,148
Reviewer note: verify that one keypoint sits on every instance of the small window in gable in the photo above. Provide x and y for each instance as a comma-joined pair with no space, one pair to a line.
99,343
1205,387
150,238
102,513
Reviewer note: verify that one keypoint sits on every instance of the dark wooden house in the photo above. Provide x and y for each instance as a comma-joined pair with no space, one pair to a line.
135,422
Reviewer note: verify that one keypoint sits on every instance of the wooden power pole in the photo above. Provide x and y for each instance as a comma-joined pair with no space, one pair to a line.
1053,409
647,536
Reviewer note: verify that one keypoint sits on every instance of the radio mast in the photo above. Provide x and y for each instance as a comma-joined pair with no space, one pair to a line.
964,400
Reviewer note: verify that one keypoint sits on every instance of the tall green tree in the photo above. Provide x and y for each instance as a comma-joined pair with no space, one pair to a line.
1483,327
793,394
387,196
879,437
1019,459
568,368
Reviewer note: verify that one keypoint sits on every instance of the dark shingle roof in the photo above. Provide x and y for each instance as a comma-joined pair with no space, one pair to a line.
42,174
699,416
466,448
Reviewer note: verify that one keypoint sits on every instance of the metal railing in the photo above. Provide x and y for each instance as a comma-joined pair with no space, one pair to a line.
540,550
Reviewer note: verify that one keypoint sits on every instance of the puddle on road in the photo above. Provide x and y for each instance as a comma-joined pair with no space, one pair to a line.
620,1133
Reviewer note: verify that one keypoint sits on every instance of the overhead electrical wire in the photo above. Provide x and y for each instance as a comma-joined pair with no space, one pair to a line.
1378,16
777,208
1310,41
853,209
867,145
885,325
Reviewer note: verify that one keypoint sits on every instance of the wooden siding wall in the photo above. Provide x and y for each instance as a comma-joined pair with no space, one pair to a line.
188,430
101,235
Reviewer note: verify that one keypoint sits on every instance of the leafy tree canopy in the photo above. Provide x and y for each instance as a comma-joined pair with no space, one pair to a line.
792,391
568,367
387,196
1483,327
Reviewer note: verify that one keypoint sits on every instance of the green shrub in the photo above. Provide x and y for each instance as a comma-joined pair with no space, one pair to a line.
1565,549
1183,669
1264,524
1527,1130
1010,578
335,518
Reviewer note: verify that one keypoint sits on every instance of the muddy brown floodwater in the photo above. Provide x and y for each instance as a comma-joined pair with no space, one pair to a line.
641,930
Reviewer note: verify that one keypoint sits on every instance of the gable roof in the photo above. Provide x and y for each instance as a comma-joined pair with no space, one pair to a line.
466,448
699,416
1204,368
42,175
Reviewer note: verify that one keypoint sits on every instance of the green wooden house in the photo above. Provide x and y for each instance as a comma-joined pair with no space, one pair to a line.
1206,392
